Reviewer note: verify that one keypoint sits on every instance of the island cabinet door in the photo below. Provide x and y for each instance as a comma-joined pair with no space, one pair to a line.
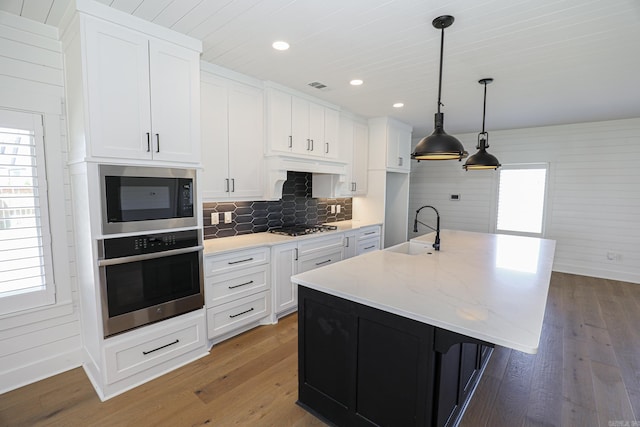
457,372
326,356
359,366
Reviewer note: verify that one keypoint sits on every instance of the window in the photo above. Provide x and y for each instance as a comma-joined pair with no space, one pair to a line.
521,199
26,277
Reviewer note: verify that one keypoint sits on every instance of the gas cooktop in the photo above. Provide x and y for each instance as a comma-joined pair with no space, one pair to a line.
302,229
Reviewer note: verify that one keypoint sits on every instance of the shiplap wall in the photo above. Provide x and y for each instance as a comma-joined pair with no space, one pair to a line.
593,196
40,343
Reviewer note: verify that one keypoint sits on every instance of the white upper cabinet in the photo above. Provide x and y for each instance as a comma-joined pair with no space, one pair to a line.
279,134
301,127
175,102
398,147
360,162
232,139
142,95
331,147
354,146
390,145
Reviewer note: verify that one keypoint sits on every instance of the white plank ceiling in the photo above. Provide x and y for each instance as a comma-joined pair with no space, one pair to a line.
553,61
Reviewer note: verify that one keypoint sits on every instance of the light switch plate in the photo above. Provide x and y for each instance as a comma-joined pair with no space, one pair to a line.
338,208
215,218
227,217
333,209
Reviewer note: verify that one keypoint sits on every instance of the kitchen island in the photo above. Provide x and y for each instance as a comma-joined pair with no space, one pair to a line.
400,336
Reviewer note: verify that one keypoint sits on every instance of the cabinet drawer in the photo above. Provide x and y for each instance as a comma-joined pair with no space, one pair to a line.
137,351
368,245
233,315
223,288
320,243
319,260
217,264
369,232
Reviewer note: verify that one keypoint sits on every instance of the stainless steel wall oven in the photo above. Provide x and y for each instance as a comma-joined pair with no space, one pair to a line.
151,277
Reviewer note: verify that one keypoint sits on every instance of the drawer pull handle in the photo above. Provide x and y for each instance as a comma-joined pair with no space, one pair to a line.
370,232
240,314
242,260
241,284
323,262
369,247
161,347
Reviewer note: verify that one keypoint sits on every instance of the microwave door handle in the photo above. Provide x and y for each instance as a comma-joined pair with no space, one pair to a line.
144,257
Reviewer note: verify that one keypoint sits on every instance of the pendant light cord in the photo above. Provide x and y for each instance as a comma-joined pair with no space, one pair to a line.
484,106
440,78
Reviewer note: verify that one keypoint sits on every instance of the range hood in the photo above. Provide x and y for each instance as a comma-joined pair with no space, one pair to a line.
278,166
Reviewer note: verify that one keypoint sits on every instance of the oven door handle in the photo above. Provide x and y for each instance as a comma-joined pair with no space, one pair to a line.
144,257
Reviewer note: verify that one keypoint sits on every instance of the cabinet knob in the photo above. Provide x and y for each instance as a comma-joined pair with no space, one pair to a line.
157,142
399,161
148,142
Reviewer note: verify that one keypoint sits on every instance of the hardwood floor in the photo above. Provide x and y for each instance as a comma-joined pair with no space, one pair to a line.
587,369
586,373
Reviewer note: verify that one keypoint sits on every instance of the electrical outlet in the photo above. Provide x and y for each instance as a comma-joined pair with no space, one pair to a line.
215,218
338,208
227,217
333,209
614,256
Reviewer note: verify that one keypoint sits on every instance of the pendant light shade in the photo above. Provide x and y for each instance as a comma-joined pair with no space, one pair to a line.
439,145
482,160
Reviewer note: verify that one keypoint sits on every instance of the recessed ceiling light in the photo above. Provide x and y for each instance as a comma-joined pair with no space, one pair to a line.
280,45
356,82
398,105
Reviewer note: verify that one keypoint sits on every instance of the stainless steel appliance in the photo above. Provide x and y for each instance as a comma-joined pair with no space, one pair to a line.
147,278
302,229
136,198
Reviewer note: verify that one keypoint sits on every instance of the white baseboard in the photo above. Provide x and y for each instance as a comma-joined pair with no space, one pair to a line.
596,272
45,368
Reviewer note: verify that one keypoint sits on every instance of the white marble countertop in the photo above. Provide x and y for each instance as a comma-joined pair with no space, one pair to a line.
247,241
487,286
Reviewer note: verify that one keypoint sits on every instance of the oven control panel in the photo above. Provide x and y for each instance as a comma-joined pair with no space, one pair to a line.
149,243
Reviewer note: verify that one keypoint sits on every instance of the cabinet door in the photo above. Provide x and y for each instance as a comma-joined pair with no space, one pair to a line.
316,129
398,149
360,159
279,121
301,140
215,136
331,147
284,265
350,244
175,103
246,141
118,91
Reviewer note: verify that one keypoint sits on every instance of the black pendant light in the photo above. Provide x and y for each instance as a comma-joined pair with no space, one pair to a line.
439,145
482,160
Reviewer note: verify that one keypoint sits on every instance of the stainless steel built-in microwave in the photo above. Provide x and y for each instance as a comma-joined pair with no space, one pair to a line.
136,198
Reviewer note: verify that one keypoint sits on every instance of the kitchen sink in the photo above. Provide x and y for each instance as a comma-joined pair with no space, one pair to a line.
411,248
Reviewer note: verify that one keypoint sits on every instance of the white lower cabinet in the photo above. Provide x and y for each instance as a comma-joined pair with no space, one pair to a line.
368,239
284,265
149,347
316,260
298,257
237,291
350,243
234,315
